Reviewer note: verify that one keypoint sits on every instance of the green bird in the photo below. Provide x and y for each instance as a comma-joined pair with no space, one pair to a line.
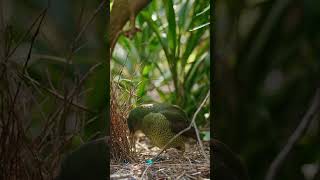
160,123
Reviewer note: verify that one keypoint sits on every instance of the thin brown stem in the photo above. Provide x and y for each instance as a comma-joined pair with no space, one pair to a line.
296,135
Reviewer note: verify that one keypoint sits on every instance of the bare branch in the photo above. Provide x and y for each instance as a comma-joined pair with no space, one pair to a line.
120,14
101,5
56,94
297,134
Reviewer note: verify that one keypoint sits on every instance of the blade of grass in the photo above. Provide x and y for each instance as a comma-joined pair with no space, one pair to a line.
155,29
172,27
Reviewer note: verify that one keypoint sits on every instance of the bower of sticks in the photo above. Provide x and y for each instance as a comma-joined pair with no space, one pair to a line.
172,164
130,161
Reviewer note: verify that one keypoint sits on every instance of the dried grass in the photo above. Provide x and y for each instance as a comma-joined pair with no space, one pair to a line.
120,146
32,138
173,165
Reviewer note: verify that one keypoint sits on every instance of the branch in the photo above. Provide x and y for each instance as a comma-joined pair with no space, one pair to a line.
120,14
297,134
56,94
25,65
84,28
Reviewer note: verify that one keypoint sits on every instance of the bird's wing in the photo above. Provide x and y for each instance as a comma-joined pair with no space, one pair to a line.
169,107
178,122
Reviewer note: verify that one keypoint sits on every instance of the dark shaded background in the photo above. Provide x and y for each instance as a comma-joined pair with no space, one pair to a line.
266,73
57,100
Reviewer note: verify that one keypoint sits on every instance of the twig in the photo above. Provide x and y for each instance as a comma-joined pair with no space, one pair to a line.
25,35
181,174
200,142
188,128
145,170
190,176
25,65
101,5
297,134
119,17
51,58
74,49
121,177
56,94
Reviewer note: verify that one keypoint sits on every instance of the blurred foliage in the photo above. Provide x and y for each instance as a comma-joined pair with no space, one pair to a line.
266,72
67,70
169,60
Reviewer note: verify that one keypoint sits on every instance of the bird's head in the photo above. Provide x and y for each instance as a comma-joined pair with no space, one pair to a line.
132,120
136,116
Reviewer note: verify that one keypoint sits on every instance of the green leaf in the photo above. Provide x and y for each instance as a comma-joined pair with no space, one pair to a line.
146,70
154,27
204,11
192,73
172,26
183,19
192,43
200,26
141,91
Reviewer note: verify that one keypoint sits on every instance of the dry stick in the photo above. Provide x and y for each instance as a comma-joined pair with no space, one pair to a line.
53,92
57,95
199,140
83,78
68,99
28,58
188,128
24,36
119,17
101,5
51,58
11,110
145,170
297,134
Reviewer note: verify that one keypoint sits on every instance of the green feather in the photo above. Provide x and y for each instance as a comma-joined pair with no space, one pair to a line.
157,128
161,122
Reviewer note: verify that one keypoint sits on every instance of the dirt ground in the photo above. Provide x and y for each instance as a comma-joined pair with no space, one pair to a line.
172,164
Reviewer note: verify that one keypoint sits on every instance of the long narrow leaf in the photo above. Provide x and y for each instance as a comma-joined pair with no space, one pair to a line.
192,42
155,29
172,26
